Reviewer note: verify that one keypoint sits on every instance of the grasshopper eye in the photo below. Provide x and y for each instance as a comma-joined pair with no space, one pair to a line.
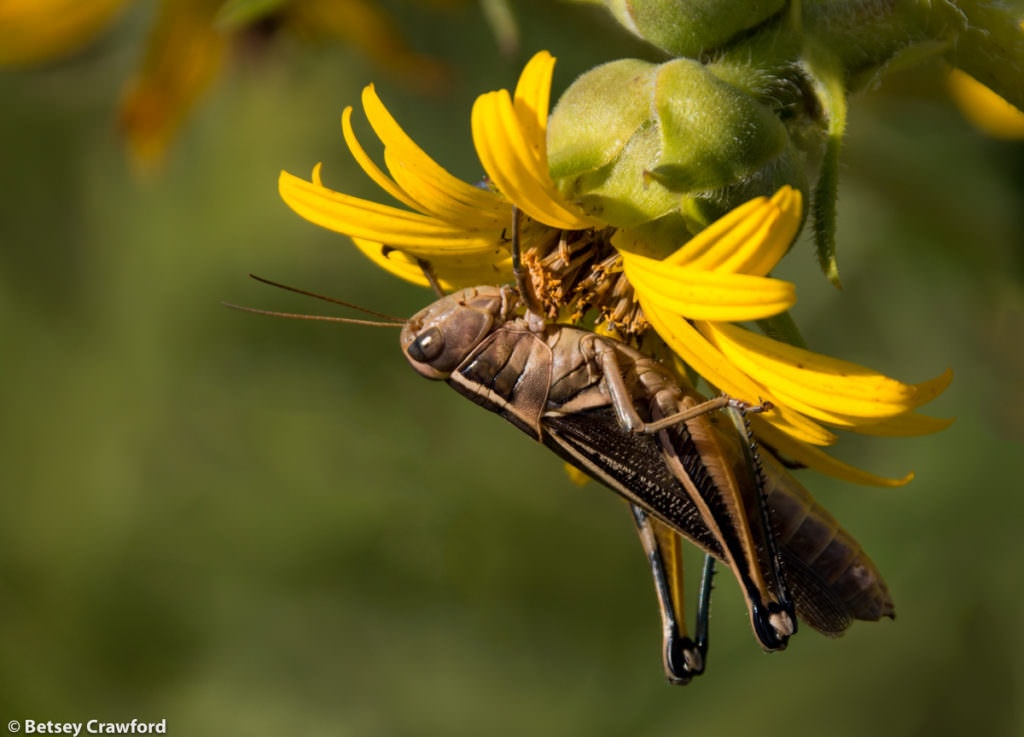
428,345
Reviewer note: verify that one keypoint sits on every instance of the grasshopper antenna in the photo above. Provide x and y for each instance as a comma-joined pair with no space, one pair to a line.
388,321
325,298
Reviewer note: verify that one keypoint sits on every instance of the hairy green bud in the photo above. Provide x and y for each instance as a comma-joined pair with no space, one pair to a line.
692,27
633,142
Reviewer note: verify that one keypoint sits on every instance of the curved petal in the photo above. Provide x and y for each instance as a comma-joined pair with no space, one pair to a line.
532,100
420,234
367,164
751,239
764,248
511,163
812,383
718,371
473,212
706,295
453,272
435,190
986,110
818,460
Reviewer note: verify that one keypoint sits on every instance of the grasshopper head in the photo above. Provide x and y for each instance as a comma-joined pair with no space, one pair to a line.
440,337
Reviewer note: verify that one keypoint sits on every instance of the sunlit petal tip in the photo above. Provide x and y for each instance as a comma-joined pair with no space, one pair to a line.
369,95
926,391
537,70
510,142
817,460
533,92
788,200
846,472
535,79
749,239
813,382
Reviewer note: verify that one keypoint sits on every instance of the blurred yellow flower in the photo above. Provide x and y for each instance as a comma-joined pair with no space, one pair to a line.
364,25
41,31
181,60
691,299
188,43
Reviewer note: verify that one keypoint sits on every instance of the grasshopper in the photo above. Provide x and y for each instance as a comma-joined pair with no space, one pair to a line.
628,422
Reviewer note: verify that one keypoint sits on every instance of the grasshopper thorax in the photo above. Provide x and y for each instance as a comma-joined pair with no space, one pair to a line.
439,337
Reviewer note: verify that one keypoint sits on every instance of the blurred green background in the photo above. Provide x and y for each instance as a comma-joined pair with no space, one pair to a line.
260,527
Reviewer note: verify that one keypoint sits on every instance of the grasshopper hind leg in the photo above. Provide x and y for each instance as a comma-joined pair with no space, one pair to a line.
683,657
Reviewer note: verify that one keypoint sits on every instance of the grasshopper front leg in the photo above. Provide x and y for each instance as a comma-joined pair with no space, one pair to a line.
622,401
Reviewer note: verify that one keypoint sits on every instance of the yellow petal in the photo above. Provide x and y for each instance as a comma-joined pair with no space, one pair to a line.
511,166
532,100
750,239
930,389
704,295
718,371
811,382
418,234
453,272
367,164
510,139
433,189
469,206
818,460
905,424
986,110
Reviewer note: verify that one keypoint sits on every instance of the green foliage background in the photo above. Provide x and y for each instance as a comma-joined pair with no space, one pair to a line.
260,527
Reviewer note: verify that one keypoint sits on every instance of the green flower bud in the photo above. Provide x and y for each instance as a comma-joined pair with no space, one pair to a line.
692,27
632,142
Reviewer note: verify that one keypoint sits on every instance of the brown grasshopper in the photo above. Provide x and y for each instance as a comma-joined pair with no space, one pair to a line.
628,422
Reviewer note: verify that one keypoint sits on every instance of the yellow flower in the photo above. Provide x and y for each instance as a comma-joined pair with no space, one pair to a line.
40,31
692,298
719,277
461,229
